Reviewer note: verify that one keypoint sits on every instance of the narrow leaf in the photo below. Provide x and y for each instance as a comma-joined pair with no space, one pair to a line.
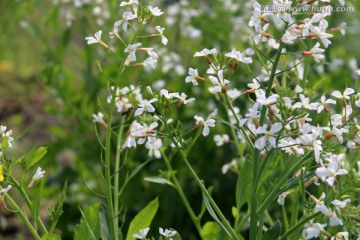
143,218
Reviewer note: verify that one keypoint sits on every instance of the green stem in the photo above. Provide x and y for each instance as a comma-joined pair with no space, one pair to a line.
275,190
180,191
254,215
28,202
23,217
299,224
117,168
254,197
114,230
206,193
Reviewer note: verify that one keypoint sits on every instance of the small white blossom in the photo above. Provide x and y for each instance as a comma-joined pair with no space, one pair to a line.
5,190
208,123
221,139
155,11
205,52
145,105
154,146
167,233
164,40
142,234
268,136
95,39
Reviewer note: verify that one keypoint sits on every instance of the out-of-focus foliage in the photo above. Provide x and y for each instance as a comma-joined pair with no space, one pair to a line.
50,83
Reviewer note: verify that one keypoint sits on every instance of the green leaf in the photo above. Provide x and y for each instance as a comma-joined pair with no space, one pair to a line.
143,218
158,180
49,236
243,182
104,223
274,232
89,224
213,214
210,231
35,156
176,236
35,208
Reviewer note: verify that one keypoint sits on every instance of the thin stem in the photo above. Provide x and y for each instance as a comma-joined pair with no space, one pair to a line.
28,202
117,168
180,191
203,189
208,196
114,230
23,217
256,157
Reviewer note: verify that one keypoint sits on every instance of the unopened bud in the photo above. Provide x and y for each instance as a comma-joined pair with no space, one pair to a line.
149,90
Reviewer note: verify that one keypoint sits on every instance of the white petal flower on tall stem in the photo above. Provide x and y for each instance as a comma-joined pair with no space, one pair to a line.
96,39
206,124
269,136
164,40
315,52
155,11
219,82
145,105
328,173
154,146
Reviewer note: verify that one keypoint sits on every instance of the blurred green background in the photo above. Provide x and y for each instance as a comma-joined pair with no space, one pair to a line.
50,85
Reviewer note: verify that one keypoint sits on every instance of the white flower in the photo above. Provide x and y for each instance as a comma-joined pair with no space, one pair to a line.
263,100
145,105
312,230
149,62
257,17
220,83
155,11
143,233
193,76
329,173
316,52
281,198
131,2
341,204
208,123
131,49
182,97
205,52
238,56
273,43
305,103
98,118
96,39
167,95
164,40
320,32
260,143
289,37
323,102
154,145
221,139
5,190
225,168
344,96
341,236
233,93
167,233
39,174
